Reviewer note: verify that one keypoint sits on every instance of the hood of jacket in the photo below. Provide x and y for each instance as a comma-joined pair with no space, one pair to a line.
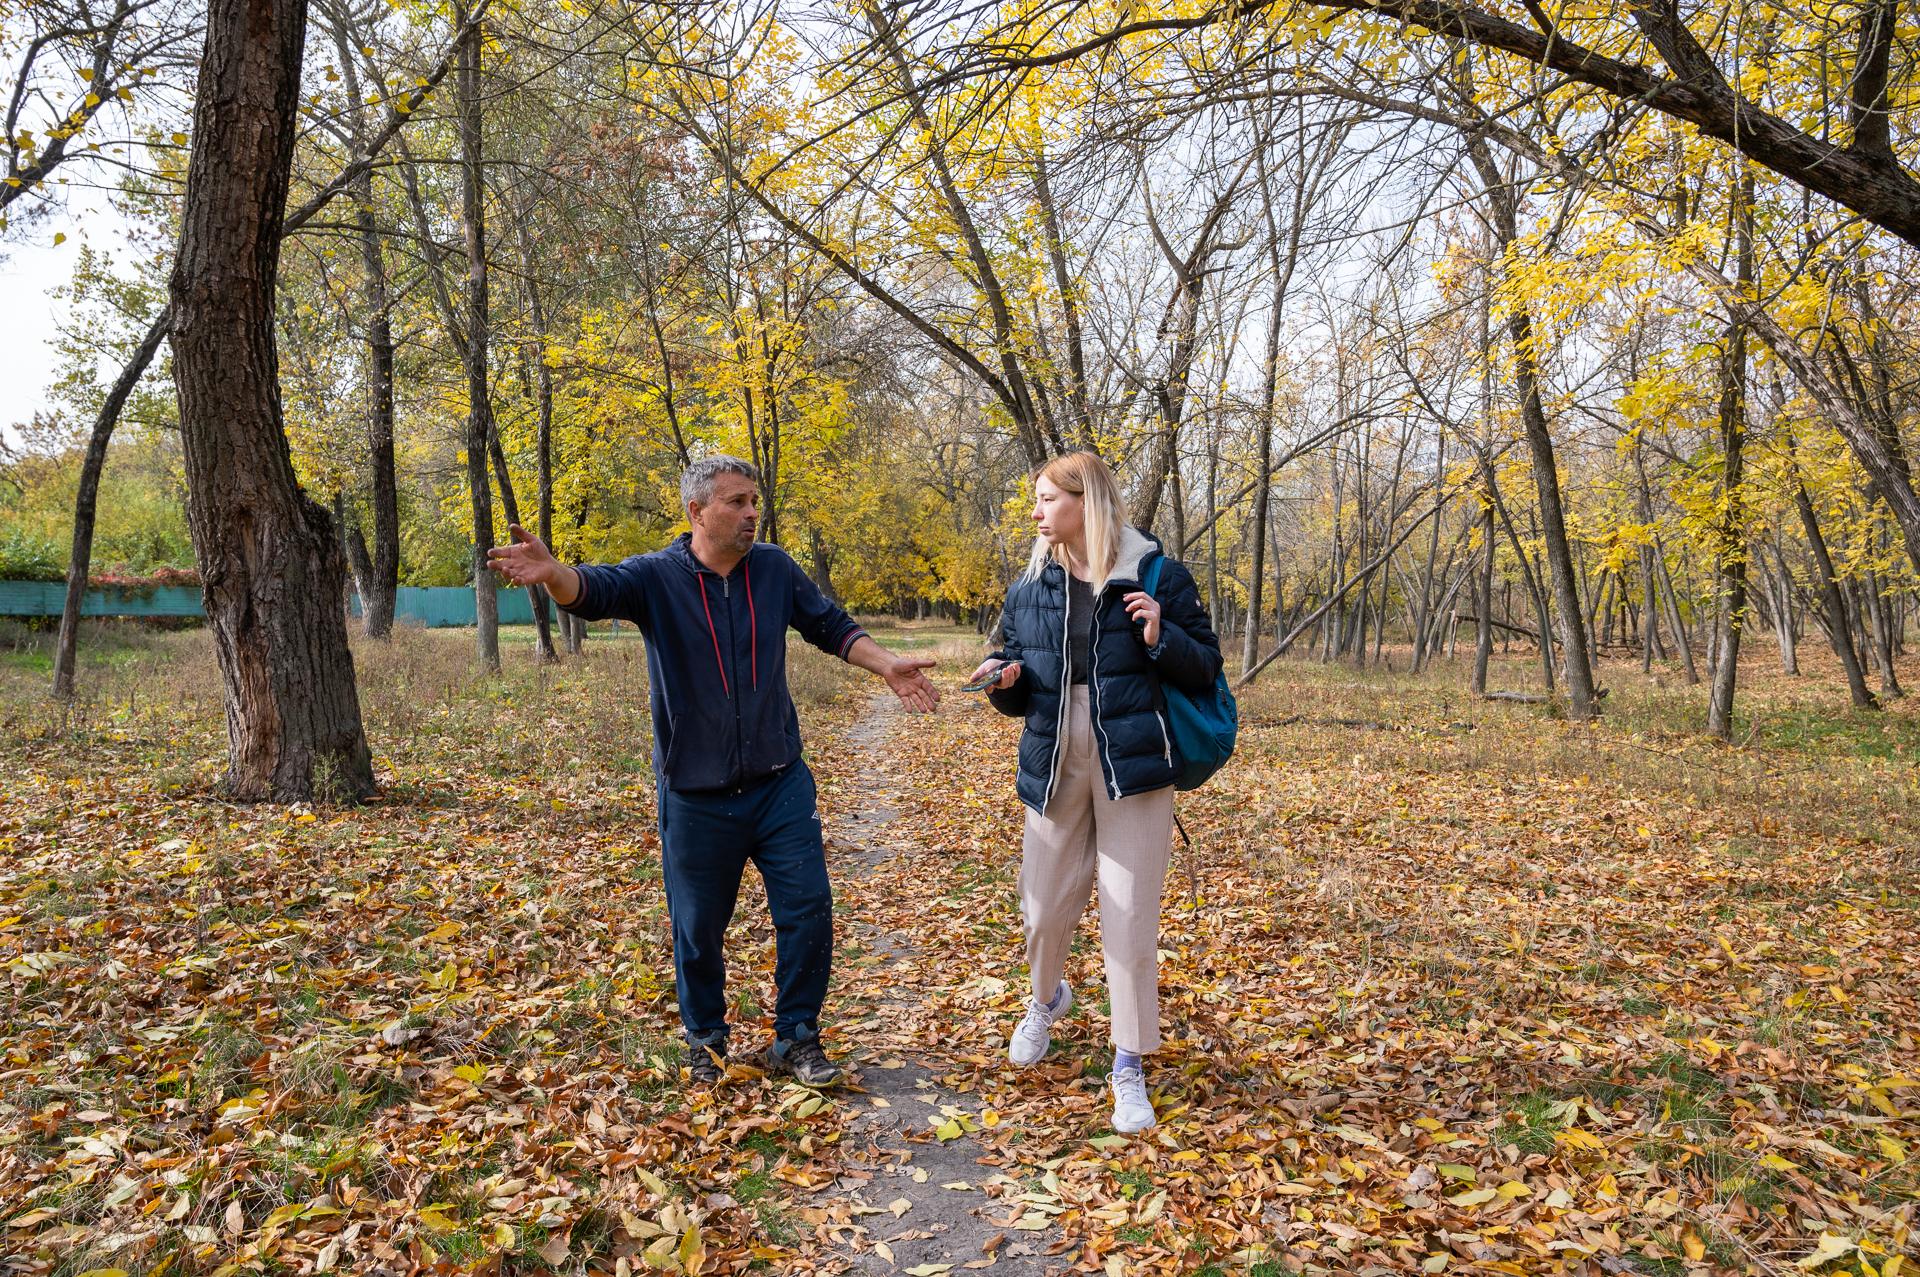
1135,545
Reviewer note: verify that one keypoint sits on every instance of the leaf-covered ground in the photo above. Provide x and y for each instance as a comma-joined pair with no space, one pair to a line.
1450,986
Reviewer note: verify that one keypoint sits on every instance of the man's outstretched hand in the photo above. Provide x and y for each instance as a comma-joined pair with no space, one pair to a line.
528,561
907,676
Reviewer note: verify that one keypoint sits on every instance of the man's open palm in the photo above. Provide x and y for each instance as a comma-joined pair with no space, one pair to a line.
527,561
907,676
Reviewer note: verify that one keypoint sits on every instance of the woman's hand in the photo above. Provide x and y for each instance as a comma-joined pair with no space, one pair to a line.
1144,611
1009,673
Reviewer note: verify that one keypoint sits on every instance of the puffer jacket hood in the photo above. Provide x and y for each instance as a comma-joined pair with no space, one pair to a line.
1131,734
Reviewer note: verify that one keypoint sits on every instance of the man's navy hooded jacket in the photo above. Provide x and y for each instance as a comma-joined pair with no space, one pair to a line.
717,656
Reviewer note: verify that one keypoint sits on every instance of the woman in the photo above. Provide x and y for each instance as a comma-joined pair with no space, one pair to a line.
1085,651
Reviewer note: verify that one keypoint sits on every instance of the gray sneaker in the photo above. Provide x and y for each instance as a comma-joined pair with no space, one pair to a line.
805,1061
707,1061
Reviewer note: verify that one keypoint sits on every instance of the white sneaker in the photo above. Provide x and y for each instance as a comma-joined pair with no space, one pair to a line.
1132,1110
1033,1035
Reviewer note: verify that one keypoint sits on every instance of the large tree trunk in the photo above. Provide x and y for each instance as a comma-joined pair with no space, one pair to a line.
486,603
1649,606
510,505
1483,603
1879,634
270,563
1730,561
1785,622
379,586
1839,625
543,446
1576,663
87,498
1582,704
1075,391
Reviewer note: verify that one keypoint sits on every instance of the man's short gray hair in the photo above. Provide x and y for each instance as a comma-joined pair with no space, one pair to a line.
696,481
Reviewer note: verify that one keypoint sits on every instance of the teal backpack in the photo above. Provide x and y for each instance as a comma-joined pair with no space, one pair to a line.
1203,726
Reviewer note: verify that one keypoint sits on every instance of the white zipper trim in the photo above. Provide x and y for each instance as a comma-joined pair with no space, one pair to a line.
1165,736
1066,693
1093,701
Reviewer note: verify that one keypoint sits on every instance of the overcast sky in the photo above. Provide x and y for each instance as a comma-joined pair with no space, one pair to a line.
29,271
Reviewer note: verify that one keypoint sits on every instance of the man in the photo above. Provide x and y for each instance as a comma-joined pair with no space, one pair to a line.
714,607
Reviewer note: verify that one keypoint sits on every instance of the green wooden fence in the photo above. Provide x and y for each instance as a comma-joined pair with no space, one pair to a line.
48,598
433,606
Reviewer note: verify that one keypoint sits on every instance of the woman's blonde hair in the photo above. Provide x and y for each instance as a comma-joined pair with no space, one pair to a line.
1103,513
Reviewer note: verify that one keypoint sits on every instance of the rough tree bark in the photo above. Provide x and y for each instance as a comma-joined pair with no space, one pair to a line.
379,589
271,568
108,419
486,601
1731,553
87,498
1582,703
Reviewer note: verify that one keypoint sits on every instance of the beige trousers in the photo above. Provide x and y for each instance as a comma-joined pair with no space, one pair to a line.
1085,836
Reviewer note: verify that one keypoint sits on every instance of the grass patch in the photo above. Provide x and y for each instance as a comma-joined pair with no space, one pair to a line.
1533,1124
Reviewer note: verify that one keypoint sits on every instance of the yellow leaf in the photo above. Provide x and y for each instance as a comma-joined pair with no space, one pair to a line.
284,1214
474,1073
1775,1162
1831,1247
59,237
693,1253
1477,1197
435,1217
1574,1137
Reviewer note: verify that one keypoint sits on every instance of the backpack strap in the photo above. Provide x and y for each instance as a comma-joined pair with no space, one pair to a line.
1152,582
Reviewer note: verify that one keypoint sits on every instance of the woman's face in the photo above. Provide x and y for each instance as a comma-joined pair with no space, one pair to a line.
1056,513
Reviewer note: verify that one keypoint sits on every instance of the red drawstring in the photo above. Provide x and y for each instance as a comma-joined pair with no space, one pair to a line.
753,623
705,607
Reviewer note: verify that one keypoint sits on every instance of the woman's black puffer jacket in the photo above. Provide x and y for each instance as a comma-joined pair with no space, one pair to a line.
1131,735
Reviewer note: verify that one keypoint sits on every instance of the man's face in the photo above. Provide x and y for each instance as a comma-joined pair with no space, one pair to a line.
732,518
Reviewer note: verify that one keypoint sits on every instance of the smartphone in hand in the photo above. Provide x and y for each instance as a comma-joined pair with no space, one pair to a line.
986,680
